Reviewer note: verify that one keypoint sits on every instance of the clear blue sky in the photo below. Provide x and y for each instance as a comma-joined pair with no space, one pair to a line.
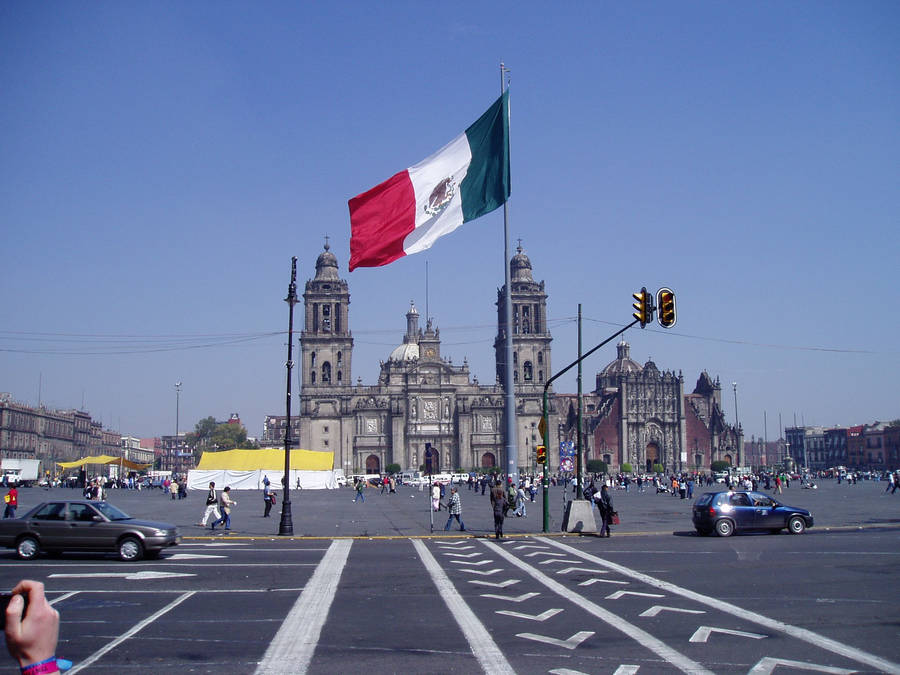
161,162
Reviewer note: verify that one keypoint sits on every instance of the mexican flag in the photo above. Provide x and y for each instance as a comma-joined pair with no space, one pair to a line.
408,212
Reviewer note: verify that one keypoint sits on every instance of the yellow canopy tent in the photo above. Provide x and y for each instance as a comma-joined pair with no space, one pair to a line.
103,459
268,459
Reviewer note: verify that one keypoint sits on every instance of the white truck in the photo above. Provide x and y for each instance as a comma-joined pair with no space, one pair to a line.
20,471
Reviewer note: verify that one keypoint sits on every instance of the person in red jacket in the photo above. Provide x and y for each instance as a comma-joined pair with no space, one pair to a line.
12,501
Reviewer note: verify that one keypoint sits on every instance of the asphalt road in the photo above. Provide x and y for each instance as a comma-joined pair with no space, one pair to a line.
382,595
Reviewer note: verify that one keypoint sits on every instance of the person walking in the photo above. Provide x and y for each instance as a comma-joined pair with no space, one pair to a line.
499,506
225,504
520,501
12,501
359,491
212,506
891,482
778,489
268,497
454,506
605,506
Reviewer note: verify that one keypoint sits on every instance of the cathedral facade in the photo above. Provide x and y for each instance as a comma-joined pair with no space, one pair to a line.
424,411
640,416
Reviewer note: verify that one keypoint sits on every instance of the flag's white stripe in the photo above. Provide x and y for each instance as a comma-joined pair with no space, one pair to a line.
450,161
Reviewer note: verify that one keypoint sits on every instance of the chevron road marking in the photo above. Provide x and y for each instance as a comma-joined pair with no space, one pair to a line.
656,609
614,621
565,671
495,584
454,542
523,546
486,573
581,569
591,582
703,632
626,670
531,555
620,594
543,616
474,563
489,656
557,560
464,555
571,643
768,665
518,598
770,624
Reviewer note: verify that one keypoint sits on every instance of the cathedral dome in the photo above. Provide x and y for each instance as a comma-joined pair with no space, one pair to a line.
623,365
327,265
405,352
520,267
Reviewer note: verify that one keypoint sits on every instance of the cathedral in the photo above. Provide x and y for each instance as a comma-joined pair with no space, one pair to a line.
426,412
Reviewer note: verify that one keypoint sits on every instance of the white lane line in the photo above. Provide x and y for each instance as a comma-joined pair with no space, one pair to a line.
768,623
127,634
615,621
296,640
482,645
768,665
64,596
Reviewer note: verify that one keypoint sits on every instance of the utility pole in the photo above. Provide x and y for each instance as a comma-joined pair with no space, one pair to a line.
286,526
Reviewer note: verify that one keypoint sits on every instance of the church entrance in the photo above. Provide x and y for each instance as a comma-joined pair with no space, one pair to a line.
652,455
488,461
432,460
373,464
727,458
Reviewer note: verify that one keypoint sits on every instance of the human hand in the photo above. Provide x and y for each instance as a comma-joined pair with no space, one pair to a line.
33,637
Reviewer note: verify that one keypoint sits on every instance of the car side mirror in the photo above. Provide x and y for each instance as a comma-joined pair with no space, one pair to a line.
97,519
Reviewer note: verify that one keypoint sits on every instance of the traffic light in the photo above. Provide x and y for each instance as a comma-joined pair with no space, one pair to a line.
643,307
665,300
541,454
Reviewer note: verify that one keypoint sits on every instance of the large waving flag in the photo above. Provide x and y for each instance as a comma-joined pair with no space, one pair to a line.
408,212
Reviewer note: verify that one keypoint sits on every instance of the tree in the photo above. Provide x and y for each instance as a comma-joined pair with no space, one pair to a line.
597,466
392,468
719,465
229,436
626,468
658,468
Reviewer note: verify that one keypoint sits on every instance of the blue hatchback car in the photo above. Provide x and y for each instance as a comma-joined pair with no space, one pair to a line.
730,511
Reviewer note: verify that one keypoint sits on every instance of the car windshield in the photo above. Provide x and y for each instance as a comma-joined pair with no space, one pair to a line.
111,511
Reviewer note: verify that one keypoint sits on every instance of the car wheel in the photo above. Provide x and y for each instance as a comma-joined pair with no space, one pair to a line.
130,549
796,525
28,548
724,527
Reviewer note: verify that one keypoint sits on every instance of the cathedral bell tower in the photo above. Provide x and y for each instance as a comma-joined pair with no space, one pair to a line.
531,337
325,342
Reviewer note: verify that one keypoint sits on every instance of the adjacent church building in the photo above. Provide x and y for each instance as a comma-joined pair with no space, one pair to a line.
424,411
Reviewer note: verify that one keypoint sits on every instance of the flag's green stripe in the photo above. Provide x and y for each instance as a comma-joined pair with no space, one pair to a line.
486,185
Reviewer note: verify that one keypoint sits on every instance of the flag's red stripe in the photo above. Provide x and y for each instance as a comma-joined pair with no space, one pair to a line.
380,219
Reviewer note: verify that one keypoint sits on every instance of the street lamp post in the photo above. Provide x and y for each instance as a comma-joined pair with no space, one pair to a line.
175,462
286,526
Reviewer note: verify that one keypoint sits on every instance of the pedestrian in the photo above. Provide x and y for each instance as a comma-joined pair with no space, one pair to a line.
268,497
436,497
778,489
384,483
605,506
532,489
454,506
359,491
173,488
212,506
499,507
182,488
12,501
225,504
393,486
484,482
520,501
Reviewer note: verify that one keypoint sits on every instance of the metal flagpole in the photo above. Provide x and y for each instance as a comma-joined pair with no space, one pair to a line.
511,451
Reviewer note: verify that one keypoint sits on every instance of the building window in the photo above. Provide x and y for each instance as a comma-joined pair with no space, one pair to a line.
339,377
325,442
540,358
325,429
312,360
326,373
526,371
312,377
540,376
326,317
337,318
340,359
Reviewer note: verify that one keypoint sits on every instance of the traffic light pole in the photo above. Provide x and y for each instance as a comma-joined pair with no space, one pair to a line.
544,422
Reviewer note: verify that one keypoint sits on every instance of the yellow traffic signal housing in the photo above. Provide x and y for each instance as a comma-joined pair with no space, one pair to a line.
541,454
643,306
665,299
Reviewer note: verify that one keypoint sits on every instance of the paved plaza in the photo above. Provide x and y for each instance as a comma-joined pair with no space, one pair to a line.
332,513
